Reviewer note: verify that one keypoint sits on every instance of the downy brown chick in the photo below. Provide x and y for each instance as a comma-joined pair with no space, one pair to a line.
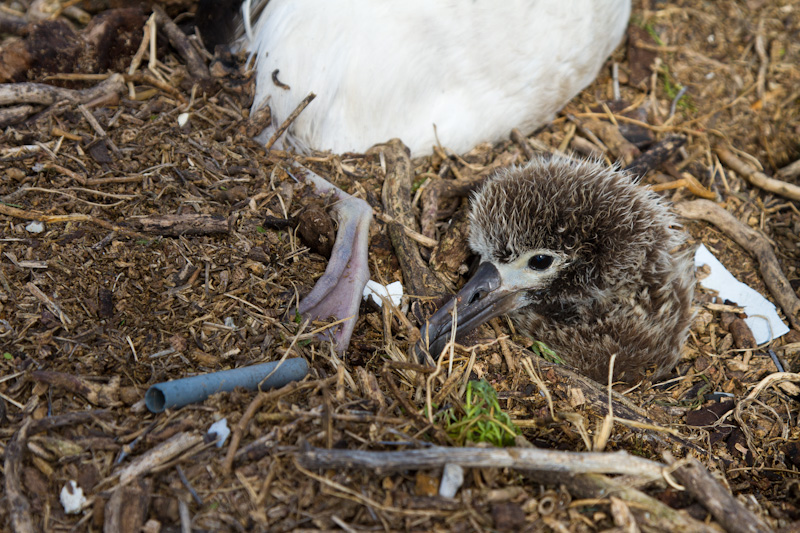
583,259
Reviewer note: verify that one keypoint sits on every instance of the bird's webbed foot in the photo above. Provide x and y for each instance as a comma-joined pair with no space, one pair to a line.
337,294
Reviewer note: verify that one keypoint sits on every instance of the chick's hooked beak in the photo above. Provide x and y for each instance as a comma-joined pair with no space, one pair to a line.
483,297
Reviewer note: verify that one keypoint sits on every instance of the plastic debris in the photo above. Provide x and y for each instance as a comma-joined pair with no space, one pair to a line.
393,292
35,227
72,498
219,430
762,316
452,479
180,392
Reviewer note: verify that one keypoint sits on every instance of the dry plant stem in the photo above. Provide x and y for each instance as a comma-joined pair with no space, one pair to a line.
50,304
620,462
414,235
722,505
188,224
755,244
179,40
438,434
596,395
419,279
288,122
18,505
759,179
258,402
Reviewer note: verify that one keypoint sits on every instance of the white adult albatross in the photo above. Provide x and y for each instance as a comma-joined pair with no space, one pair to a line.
456,72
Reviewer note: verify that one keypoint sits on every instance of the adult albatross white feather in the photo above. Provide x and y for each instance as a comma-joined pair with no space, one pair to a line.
457,72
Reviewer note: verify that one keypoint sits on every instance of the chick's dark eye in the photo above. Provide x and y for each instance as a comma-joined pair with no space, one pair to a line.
540,262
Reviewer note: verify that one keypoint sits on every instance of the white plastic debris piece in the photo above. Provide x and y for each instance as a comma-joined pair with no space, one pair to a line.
35,227
762,317
221,430
393,292
452,479
72,498
183,118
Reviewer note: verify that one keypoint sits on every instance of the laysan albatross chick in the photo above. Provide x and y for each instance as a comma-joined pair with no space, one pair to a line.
454,72
581,258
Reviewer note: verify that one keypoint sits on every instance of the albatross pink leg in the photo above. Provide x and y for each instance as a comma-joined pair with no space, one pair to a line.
338,292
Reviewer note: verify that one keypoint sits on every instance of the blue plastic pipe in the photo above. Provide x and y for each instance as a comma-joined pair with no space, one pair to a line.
180,392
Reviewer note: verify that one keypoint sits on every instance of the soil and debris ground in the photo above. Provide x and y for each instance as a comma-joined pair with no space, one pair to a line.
118,310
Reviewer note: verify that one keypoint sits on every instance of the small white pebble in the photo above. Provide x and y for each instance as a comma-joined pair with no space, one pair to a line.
393,292
35,227
221,430
183,118
452,479
72,498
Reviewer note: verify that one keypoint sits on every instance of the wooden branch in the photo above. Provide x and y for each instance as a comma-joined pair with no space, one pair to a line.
43,94
620,462
194,61
759,179
164,452
722,505
650,514
790,171
419,279
189,224
755,244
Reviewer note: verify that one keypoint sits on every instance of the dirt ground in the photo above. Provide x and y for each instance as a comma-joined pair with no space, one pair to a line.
96,307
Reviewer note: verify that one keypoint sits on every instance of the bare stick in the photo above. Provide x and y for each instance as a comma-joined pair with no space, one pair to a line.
790,171
187,224
755,244
733,516
194,61
288,122
759,179
396,196
620,462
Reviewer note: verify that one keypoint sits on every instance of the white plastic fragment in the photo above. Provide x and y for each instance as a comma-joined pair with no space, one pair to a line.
393,292
762,316
183,118
72,498
35,227
221,430
452,479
